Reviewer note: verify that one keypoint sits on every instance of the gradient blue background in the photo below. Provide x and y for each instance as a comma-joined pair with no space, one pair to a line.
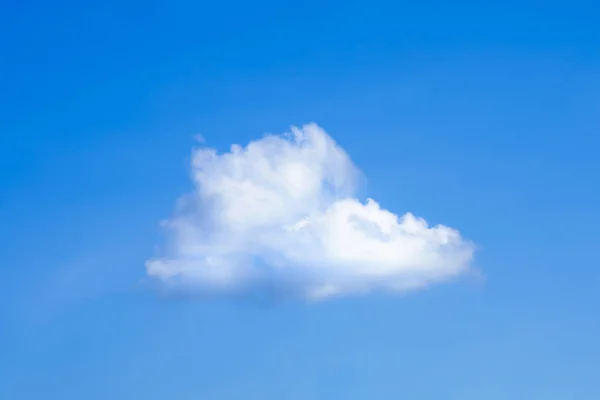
480,115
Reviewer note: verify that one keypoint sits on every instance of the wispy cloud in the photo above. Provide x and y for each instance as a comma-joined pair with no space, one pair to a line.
282,213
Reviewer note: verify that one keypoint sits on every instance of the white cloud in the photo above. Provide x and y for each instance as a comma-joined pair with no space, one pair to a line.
281,213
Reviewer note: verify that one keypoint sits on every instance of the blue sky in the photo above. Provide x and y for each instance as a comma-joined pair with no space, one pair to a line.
482,117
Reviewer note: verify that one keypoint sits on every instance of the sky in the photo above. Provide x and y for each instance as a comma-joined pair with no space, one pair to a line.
318,200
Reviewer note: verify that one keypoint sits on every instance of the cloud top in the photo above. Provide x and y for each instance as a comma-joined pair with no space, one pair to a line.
282,213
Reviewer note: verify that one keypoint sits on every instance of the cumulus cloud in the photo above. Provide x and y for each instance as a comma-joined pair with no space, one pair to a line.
282,213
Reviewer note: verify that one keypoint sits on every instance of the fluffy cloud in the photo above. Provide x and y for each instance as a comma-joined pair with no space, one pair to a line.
281,213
